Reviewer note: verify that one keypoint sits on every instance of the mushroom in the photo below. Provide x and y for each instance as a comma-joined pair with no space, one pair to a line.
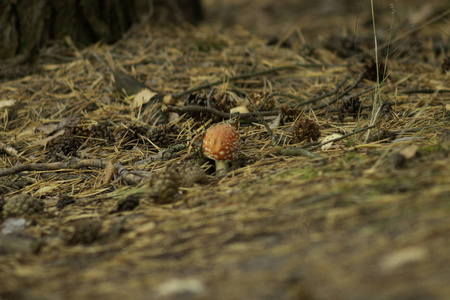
221,143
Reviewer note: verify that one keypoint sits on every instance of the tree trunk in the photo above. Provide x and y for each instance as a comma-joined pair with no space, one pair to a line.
25,25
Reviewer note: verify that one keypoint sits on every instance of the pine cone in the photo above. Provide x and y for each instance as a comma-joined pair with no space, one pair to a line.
162,187
371,71
64,200
162,136
225,103
289,114
258,99
200,100
22,204
66,144
305,129
191,173
350,107
102,132
127,204
84,231
131,134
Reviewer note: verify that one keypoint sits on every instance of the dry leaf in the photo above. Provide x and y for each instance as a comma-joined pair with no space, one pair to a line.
402,257
50,138
142,97
410,151
47,128
8,149
69,122
329,138
109,171
177,287
239,109
276,122
169,100
7,103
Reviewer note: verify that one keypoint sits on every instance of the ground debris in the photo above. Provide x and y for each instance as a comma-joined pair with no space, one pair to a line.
327,198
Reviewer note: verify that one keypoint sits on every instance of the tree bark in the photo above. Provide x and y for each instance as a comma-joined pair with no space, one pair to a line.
26,25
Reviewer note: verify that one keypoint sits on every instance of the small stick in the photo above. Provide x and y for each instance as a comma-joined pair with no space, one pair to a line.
232,78
203,109
73,163
316,99
269,130
343,137
343,98
208,99
255,58
8,150
163,155
126,175
425,91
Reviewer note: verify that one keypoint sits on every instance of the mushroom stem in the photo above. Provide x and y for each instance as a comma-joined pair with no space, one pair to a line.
221,168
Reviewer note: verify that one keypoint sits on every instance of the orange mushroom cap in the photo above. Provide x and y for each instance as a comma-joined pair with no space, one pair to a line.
221,143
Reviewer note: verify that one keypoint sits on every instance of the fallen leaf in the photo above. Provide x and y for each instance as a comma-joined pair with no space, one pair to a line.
169,100
7,103
180,287
50,138
402,257
276,122
142,97
242,109
8,149
329,138
109,171
47,128
410,151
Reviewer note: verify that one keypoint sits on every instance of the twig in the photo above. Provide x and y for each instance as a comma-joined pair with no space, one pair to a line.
425,91
224,115
269,130
314,100
163,155
273,94
126,175
341,97
8,150
343,137
73,163
208,99
233,78
255,58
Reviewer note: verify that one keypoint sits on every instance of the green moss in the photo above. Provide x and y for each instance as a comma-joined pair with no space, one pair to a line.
432,149
307,172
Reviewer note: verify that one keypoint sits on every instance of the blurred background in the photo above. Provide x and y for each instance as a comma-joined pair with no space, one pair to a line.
270,17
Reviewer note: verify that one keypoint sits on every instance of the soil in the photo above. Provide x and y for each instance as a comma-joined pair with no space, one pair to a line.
111,197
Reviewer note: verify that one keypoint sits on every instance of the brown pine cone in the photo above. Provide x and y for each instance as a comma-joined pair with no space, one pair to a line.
162,187
21,205
371,71
191,173
305,129
162,136
84,231
258,99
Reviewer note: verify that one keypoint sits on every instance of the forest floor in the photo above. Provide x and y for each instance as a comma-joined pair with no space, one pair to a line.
106,195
